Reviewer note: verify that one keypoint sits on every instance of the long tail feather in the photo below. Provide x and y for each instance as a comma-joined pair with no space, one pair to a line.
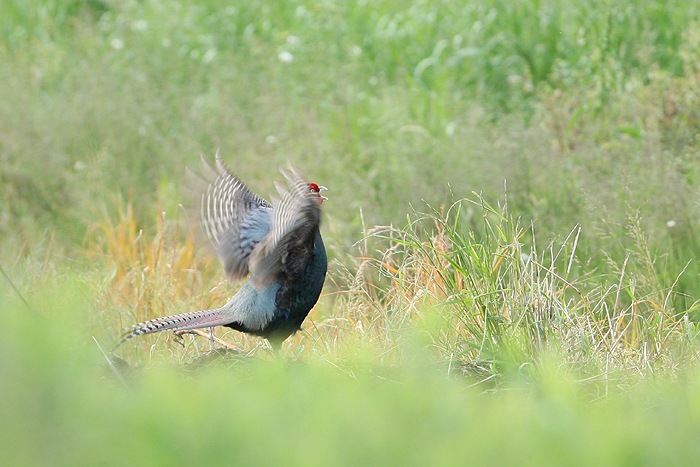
181,322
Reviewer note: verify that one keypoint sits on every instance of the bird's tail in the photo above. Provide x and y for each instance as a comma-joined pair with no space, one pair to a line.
181,322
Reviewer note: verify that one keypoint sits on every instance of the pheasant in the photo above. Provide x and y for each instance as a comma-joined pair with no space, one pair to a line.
279,247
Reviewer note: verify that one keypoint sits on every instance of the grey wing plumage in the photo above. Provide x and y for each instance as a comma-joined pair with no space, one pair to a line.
234,219
295,220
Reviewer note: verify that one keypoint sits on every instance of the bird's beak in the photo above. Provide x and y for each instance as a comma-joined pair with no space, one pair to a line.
320,189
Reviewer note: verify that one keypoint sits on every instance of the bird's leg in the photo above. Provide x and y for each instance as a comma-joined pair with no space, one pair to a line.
274,346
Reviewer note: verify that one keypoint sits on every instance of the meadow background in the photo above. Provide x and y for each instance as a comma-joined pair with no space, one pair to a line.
512,226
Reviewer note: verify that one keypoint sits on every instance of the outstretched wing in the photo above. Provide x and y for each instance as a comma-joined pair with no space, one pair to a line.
295,220
234,219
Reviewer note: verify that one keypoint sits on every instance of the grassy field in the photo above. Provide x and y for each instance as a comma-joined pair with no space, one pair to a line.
513,228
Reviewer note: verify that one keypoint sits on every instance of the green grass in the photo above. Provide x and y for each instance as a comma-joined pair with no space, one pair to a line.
513,228
59,394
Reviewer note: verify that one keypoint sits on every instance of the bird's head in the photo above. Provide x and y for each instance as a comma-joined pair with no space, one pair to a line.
317,189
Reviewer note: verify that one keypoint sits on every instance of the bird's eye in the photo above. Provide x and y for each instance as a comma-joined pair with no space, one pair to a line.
314,187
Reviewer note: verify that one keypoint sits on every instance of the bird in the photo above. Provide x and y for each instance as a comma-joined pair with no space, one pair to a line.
278,249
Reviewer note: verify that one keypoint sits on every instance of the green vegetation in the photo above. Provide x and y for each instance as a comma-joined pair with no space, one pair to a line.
513,228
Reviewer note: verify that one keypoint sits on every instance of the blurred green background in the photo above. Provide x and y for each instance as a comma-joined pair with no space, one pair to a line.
530,297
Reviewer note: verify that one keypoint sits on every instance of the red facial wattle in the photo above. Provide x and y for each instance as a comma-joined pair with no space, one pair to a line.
315,188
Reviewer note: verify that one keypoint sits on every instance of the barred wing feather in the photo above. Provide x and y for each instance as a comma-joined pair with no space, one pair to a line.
234,219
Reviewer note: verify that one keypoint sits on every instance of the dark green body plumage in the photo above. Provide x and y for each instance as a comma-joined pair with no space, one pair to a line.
294,298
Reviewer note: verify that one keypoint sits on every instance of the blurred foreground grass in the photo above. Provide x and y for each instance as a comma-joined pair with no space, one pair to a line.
62,406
